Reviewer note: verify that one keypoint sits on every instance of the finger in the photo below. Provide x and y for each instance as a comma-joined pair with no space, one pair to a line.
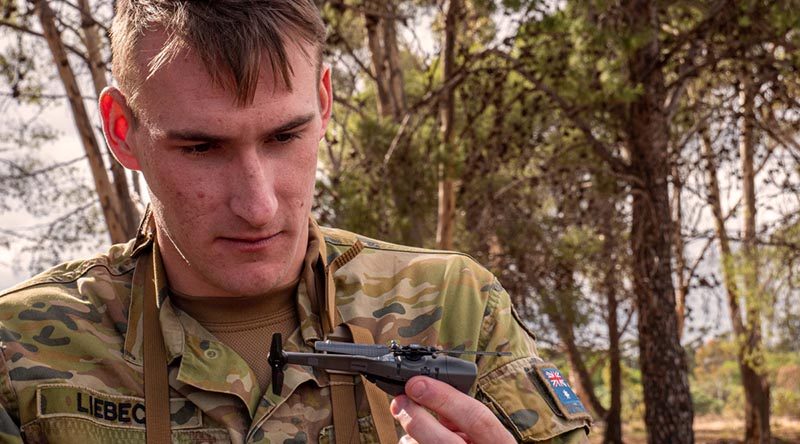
447,423
419,424
453,428
469,415
405,439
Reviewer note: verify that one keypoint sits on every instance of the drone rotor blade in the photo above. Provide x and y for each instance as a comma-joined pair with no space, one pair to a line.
277,382
344,348
276,361
473,352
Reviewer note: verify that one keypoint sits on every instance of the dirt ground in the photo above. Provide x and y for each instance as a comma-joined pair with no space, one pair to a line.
712,430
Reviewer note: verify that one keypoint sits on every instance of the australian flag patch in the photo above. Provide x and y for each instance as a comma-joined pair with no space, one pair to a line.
556,384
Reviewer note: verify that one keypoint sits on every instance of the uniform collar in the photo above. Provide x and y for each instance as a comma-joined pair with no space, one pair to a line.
145,233
311,290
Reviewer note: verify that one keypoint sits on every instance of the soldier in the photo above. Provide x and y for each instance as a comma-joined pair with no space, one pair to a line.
221,106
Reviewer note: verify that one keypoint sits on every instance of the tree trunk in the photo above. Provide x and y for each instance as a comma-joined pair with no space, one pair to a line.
447,182
753,388
562,316
613,417
728,269
374,41
756,385
97,67
395,72
384,53
677,237
668,403
109,201
582,380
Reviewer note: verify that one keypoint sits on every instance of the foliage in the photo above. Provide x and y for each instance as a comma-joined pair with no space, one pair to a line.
717,382
541,153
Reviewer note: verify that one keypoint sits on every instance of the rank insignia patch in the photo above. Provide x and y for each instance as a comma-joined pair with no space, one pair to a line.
561,393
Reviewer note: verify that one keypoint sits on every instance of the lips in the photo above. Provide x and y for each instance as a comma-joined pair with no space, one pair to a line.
250,244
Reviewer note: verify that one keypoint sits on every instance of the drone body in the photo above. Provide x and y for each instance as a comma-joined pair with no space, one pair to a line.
388,367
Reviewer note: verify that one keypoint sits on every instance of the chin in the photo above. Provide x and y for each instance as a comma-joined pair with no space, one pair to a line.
252,284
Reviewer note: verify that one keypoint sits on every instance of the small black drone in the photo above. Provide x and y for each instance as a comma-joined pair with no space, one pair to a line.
389,367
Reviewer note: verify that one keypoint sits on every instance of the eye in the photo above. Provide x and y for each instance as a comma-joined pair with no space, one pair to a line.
285,137
197,150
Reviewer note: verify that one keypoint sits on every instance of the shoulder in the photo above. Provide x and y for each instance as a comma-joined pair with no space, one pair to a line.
116,261
413,295
445,298
404,261
65,326
84,289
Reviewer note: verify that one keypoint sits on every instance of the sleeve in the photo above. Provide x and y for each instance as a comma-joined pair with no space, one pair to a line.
530,396
9,429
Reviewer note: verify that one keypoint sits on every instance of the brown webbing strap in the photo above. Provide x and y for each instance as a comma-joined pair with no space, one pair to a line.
378,402
156,384
331,318
343,395
343,400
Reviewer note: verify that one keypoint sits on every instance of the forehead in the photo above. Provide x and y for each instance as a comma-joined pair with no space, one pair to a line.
184,82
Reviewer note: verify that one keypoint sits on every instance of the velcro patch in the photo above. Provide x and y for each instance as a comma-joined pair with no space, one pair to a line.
565,398
63,400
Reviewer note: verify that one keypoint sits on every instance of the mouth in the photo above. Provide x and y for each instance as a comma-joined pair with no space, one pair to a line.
250,244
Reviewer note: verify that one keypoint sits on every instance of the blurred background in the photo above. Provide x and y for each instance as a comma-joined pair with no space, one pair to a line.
629,169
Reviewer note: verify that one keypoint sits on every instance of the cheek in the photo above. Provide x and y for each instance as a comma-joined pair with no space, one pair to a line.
186,198
305,176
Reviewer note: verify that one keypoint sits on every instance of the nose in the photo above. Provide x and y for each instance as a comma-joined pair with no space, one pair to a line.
253,195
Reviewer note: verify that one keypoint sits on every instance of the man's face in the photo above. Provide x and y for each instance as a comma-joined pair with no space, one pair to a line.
231,186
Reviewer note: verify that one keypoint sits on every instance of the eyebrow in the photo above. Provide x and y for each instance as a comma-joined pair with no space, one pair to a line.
196,135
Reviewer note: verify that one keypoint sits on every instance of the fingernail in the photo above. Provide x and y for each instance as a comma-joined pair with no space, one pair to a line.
417,389
399,404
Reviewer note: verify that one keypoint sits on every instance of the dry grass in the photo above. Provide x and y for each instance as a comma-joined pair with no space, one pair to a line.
712,430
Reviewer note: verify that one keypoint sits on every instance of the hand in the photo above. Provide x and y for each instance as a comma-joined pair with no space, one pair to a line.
462,419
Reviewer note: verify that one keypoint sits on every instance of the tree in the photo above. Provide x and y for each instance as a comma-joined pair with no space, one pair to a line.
631,137
72,38
753,76
447,182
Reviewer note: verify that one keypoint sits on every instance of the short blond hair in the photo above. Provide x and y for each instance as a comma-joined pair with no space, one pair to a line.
231,37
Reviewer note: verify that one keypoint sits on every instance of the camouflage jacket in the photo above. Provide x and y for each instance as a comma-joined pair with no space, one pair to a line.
71,352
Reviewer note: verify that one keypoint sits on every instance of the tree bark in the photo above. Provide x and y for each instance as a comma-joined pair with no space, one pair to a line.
385,57
394,70
561,313
582,380
97,67
668,412
728,272
447,181
756,385
613,416
756,390
677,237
373,24
109,201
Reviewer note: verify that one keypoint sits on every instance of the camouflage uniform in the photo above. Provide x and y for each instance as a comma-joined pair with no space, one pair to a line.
71,352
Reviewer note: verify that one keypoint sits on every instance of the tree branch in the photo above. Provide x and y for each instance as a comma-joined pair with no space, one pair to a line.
599,148
27,174
29,31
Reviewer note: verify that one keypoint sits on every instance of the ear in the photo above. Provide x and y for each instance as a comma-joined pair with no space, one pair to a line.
117,117
325,98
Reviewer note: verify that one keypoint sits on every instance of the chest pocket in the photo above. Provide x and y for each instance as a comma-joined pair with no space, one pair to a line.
69,414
